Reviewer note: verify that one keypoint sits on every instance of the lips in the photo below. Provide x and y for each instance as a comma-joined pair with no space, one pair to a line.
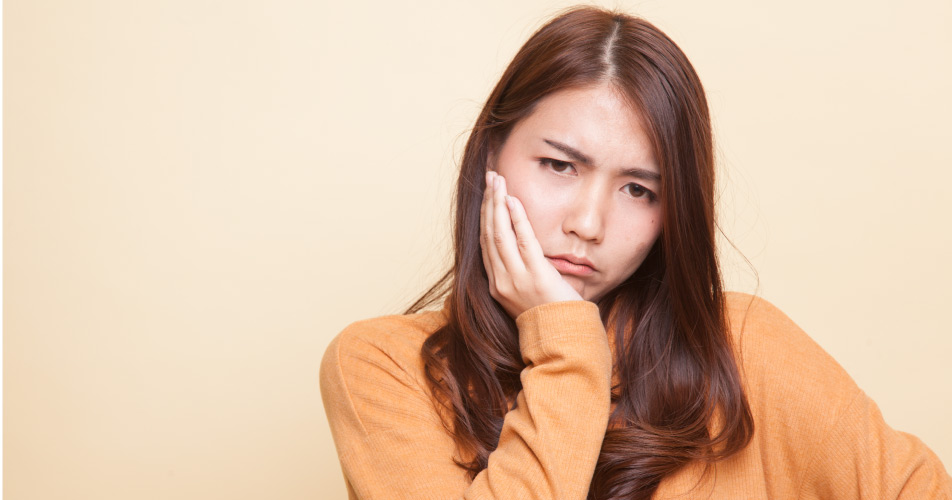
572,264
581,261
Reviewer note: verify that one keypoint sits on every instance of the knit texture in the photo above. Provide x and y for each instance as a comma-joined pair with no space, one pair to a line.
817,435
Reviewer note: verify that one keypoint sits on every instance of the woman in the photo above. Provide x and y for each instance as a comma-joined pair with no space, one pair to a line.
585,346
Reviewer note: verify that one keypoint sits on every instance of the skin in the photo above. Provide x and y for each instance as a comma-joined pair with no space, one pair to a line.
542,200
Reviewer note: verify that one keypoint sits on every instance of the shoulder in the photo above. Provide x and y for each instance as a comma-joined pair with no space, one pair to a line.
765,335
786,372
374,367
750,316
400,337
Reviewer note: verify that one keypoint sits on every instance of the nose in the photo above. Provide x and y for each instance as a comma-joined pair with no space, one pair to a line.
586,214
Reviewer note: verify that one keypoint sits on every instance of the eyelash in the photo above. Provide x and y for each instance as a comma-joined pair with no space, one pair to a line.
558,164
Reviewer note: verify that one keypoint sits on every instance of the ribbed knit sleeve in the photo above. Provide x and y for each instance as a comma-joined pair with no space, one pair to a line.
859,456
392,444
818,435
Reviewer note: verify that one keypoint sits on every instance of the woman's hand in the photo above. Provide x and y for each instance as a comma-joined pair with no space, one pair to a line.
520,277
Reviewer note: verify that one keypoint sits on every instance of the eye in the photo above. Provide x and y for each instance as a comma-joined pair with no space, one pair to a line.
639,191
559,166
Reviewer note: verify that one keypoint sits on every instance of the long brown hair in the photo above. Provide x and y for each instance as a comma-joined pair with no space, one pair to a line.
673,359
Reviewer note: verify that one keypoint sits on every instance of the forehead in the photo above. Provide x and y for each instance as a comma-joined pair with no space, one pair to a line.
597,120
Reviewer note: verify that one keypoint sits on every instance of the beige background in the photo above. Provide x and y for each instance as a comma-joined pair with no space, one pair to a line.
200,194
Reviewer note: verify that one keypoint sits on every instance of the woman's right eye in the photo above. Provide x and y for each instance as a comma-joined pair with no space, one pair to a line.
558,166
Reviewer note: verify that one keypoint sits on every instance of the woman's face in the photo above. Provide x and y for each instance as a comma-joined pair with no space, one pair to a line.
582,165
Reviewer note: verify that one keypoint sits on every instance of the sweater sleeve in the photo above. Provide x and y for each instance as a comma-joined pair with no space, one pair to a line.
391,441
860,456
822,436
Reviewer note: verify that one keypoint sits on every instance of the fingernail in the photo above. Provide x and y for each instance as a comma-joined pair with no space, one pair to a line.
510,202
497,182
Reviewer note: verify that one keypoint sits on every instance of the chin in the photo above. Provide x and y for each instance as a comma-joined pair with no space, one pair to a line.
585,293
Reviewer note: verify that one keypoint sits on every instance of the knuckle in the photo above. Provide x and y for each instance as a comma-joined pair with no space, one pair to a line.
524,244
498,238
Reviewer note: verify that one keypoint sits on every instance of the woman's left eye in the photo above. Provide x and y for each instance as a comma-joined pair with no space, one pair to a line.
639,191
558,166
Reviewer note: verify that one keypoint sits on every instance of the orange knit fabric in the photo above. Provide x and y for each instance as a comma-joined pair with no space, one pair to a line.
817,434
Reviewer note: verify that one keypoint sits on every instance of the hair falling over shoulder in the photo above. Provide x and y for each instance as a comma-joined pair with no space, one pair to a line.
678,395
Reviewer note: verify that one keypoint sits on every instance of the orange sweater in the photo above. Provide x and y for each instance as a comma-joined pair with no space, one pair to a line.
817,434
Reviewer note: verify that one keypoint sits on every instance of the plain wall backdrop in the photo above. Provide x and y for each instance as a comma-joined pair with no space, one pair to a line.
198,195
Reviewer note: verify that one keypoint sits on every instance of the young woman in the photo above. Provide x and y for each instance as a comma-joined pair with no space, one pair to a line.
585,347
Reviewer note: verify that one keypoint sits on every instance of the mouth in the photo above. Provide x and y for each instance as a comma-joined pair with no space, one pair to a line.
571,264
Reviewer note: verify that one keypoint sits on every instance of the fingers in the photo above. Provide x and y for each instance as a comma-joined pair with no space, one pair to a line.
490,254
503,234
529,247
519,275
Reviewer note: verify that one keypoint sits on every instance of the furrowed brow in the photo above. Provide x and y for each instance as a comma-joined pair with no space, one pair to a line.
578,156
572,153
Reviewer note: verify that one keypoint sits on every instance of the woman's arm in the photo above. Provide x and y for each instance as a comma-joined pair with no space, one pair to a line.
860,456
389,437
820,436
392,444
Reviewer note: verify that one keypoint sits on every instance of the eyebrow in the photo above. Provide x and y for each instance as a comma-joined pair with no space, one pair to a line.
581,157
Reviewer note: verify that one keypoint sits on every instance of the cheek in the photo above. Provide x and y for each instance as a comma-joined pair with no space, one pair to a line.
539,207
641,236
537,218
655,228
651,223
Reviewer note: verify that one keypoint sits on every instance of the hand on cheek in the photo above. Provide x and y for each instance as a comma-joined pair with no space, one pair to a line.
519,275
